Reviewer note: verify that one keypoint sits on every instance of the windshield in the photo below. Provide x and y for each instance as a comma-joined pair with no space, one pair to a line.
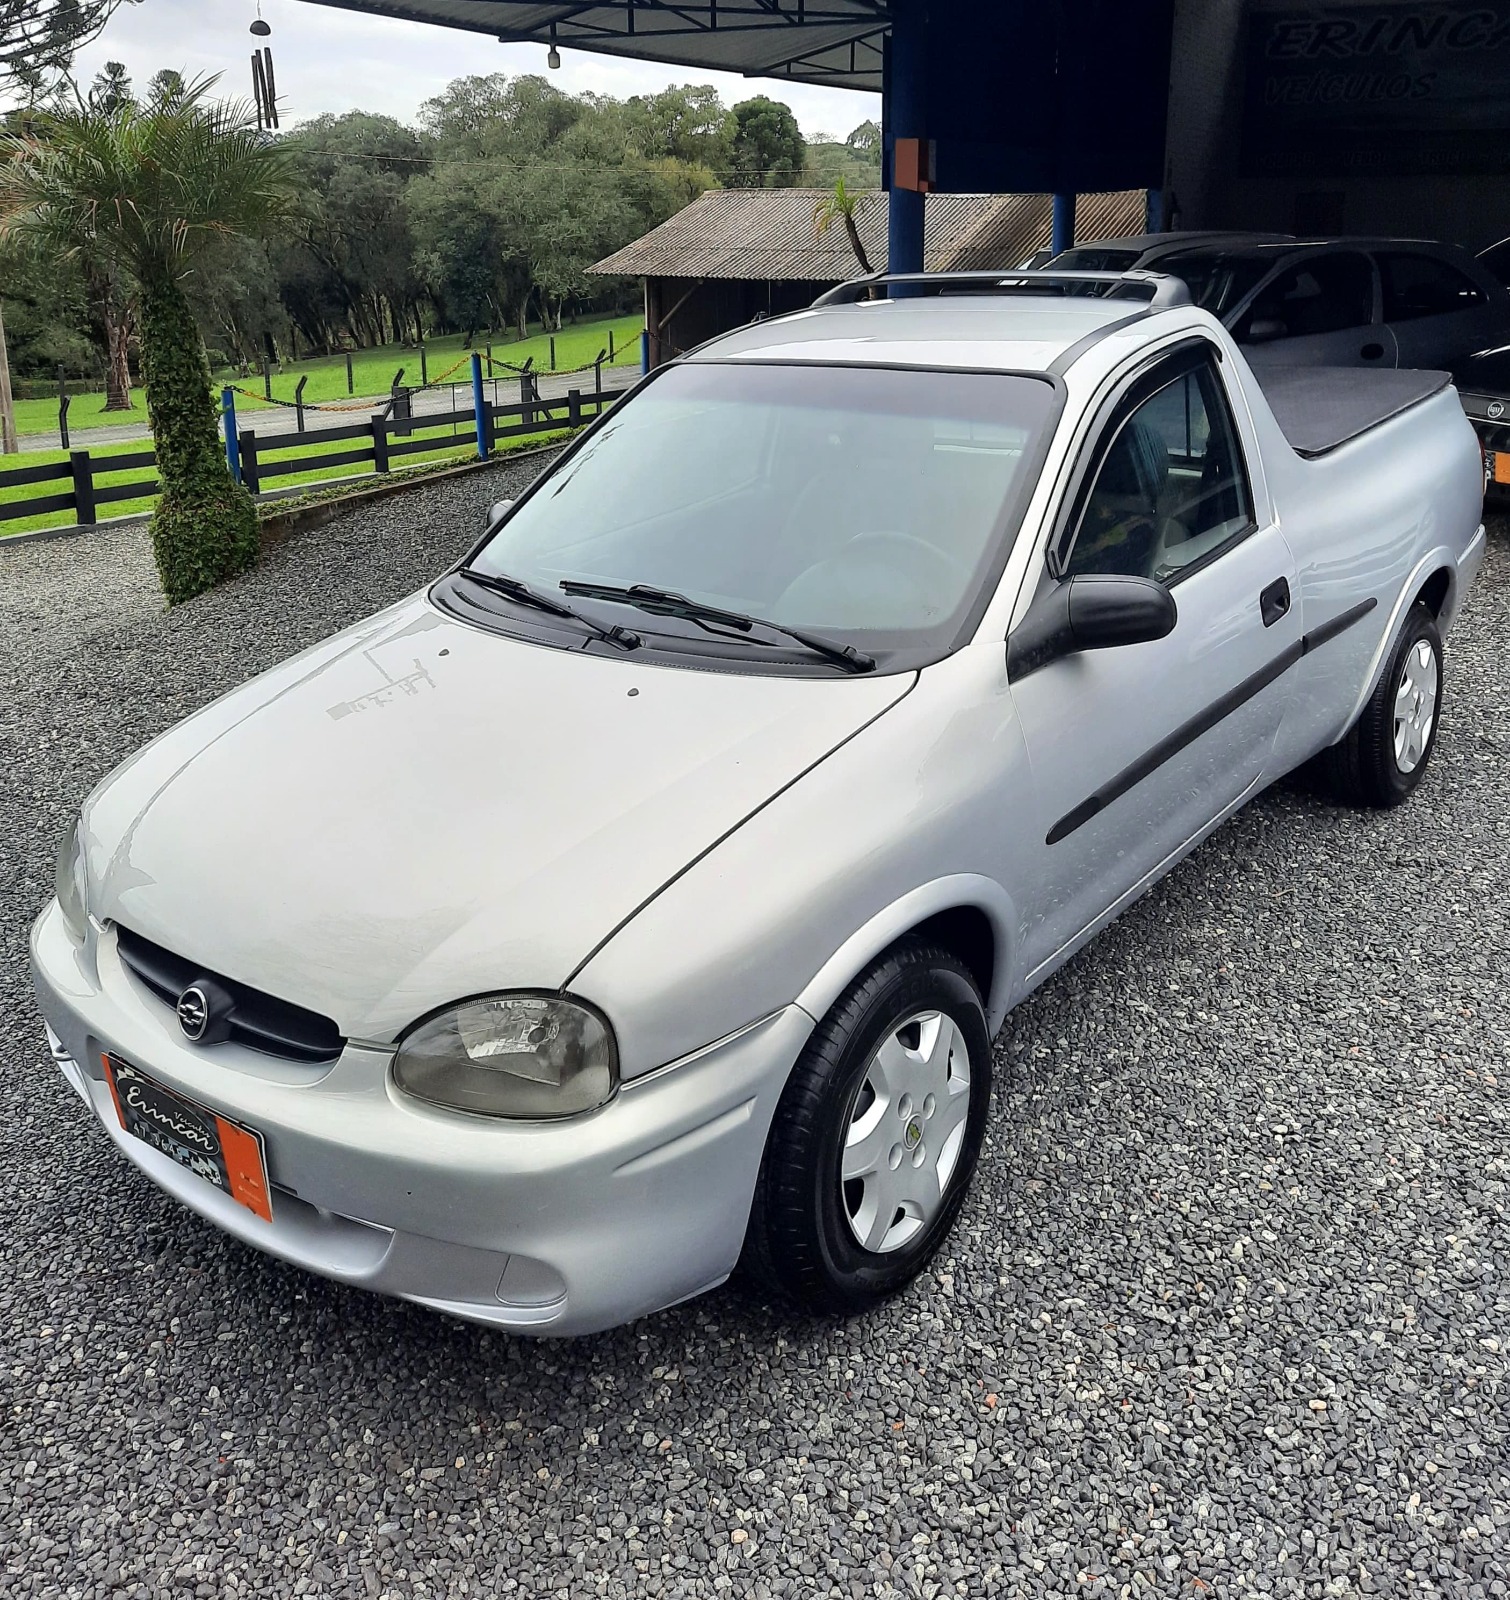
868,505
1217,280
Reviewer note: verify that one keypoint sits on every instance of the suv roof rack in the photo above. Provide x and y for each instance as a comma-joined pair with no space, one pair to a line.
1162,289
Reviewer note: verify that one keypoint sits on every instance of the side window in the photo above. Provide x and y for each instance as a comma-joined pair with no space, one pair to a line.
1322,295
1424,286
1171,489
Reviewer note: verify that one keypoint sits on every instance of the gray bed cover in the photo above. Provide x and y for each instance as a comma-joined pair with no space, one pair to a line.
1320,408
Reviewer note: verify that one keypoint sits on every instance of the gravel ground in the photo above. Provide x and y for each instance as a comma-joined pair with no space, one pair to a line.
1227,1313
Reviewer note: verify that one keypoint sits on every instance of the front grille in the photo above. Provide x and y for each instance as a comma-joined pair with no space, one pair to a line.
257,1020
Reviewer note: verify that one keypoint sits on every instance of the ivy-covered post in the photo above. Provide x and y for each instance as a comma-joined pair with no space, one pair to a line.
204,528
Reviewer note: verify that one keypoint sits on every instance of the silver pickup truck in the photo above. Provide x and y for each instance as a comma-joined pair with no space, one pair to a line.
643,896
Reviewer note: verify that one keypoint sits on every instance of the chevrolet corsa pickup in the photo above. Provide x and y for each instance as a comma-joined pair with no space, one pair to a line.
641,899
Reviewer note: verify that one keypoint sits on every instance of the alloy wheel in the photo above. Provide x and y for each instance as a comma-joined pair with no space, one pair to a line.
905,1132
1415,705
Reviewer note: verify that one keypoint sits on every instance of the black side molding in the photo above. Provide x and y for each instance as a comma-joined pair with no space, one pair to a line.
1188,732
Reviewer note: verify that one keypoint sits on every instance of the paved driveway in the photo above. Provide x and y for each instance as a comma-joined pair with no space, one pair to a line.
1227,1314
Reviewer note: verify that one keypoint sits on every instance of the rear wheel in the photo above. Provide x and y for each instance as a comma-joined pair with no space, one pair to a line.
876,1136
1384,755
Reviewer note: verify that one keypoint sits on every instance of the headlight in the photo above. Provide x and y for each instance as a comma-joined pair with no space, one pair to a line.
511,1055
69,879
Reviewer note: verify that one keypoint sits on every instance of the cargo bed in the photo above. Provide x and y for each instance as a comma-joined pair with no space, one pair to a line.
1319,409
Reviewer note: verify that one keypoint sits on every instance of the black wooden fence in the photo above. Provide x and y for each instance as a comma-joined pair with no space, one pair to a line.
377,444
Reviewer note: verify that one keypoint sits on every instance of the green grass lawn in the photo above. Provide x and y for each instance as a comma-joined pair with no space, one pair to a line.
447,449
576,346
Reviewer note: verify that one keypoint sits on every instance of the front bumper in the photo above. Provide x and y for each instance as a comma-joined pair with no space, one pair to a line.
560,1228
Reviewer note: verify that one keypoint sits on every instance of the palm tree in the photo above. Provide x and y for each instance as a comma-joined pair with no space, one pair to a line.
844,204
149,188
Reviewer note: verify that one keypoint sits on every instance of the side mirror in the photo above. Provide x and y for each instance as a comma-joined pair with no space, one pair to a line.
1092,611
496,513
1263,330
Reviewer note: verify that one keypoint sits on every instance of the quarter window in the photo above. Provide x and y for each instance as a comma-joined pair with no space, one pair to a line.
1323,294
1423,286
1171,489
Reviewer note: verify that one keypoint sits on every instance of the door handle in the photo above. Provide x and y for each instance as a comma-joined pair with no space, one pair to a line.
1274,602
1372,352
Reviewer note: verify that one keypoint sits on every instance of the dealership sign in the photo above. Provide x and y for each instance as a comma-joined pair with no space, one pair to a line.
1383,89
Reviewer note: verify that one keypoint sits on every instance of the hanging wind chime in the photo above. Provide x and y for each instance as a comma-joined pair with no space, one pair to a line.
264,89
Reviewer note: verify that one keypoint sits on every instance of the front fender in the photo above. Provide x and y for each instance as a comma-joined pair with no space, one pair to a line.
929,808
962,890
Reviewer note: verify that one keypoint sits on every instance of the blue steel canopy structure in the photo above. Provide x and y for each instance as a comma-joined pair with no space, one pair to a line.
831,42
979,96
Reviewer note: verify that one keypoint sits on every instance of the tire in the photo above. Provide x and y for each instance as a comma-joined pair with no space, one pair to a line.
844,1247
1379,763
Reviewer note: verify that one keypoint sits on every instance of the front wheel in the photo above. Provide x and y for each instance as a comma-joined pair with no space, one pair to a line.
876,1136
1384,755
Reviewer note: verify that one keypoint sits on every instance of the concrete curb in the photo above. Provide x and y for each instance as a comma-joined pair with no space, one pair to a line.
283,525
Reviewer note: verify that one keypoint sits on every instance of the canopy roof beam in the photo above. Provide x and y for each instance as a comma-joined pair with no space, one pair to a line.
833,42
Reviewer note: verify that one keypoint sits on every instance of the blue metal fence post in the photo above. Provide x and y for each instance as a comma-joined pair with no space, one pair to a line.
644,350
1064,222
232,441
479,408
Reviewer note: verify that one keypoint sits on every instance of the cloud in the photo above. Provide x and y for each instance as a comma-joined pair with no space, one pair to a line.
327,59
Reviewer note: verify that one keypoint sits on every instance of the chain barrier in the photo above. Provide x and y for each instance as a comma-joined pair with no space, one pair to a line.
628,356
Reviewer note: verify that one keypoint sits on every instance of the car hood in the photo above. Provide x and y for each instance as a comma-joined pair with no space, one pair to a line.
417,811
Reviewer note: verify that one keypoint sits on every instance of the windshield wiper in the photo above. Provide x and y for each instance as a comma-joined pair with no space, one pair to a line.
519,591
668,603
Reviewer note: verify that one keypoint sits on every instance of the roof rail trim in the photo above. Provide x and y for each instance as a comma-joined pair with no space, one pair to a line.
1088,341
1163,290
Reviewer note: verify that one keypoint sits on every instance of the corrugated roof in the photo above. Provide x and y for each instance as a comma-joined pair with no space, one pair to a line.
1023,224
771,234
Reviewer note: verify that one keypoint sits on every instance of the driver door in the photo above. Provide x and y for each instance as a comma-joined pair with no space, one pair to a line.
1136,749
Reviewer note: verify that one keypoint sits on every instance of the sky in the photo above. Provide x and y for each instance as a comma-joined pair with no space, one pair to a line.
330,60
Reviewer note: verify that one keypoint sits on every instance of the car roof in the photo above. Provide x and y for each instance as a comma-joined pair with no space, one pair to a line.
996,332
1272,250
1180,239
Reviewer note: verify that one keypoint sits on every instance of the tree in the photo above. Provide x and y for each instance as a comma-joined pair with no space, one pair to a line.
769,149
166,90
38,39
46,312
356,168
686,123
843,205
153,189
498,115
527,187
111,88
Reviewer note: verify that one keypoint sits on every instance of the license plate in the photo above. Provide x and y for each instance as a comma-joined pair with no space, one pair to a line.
1499,466
212,1147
